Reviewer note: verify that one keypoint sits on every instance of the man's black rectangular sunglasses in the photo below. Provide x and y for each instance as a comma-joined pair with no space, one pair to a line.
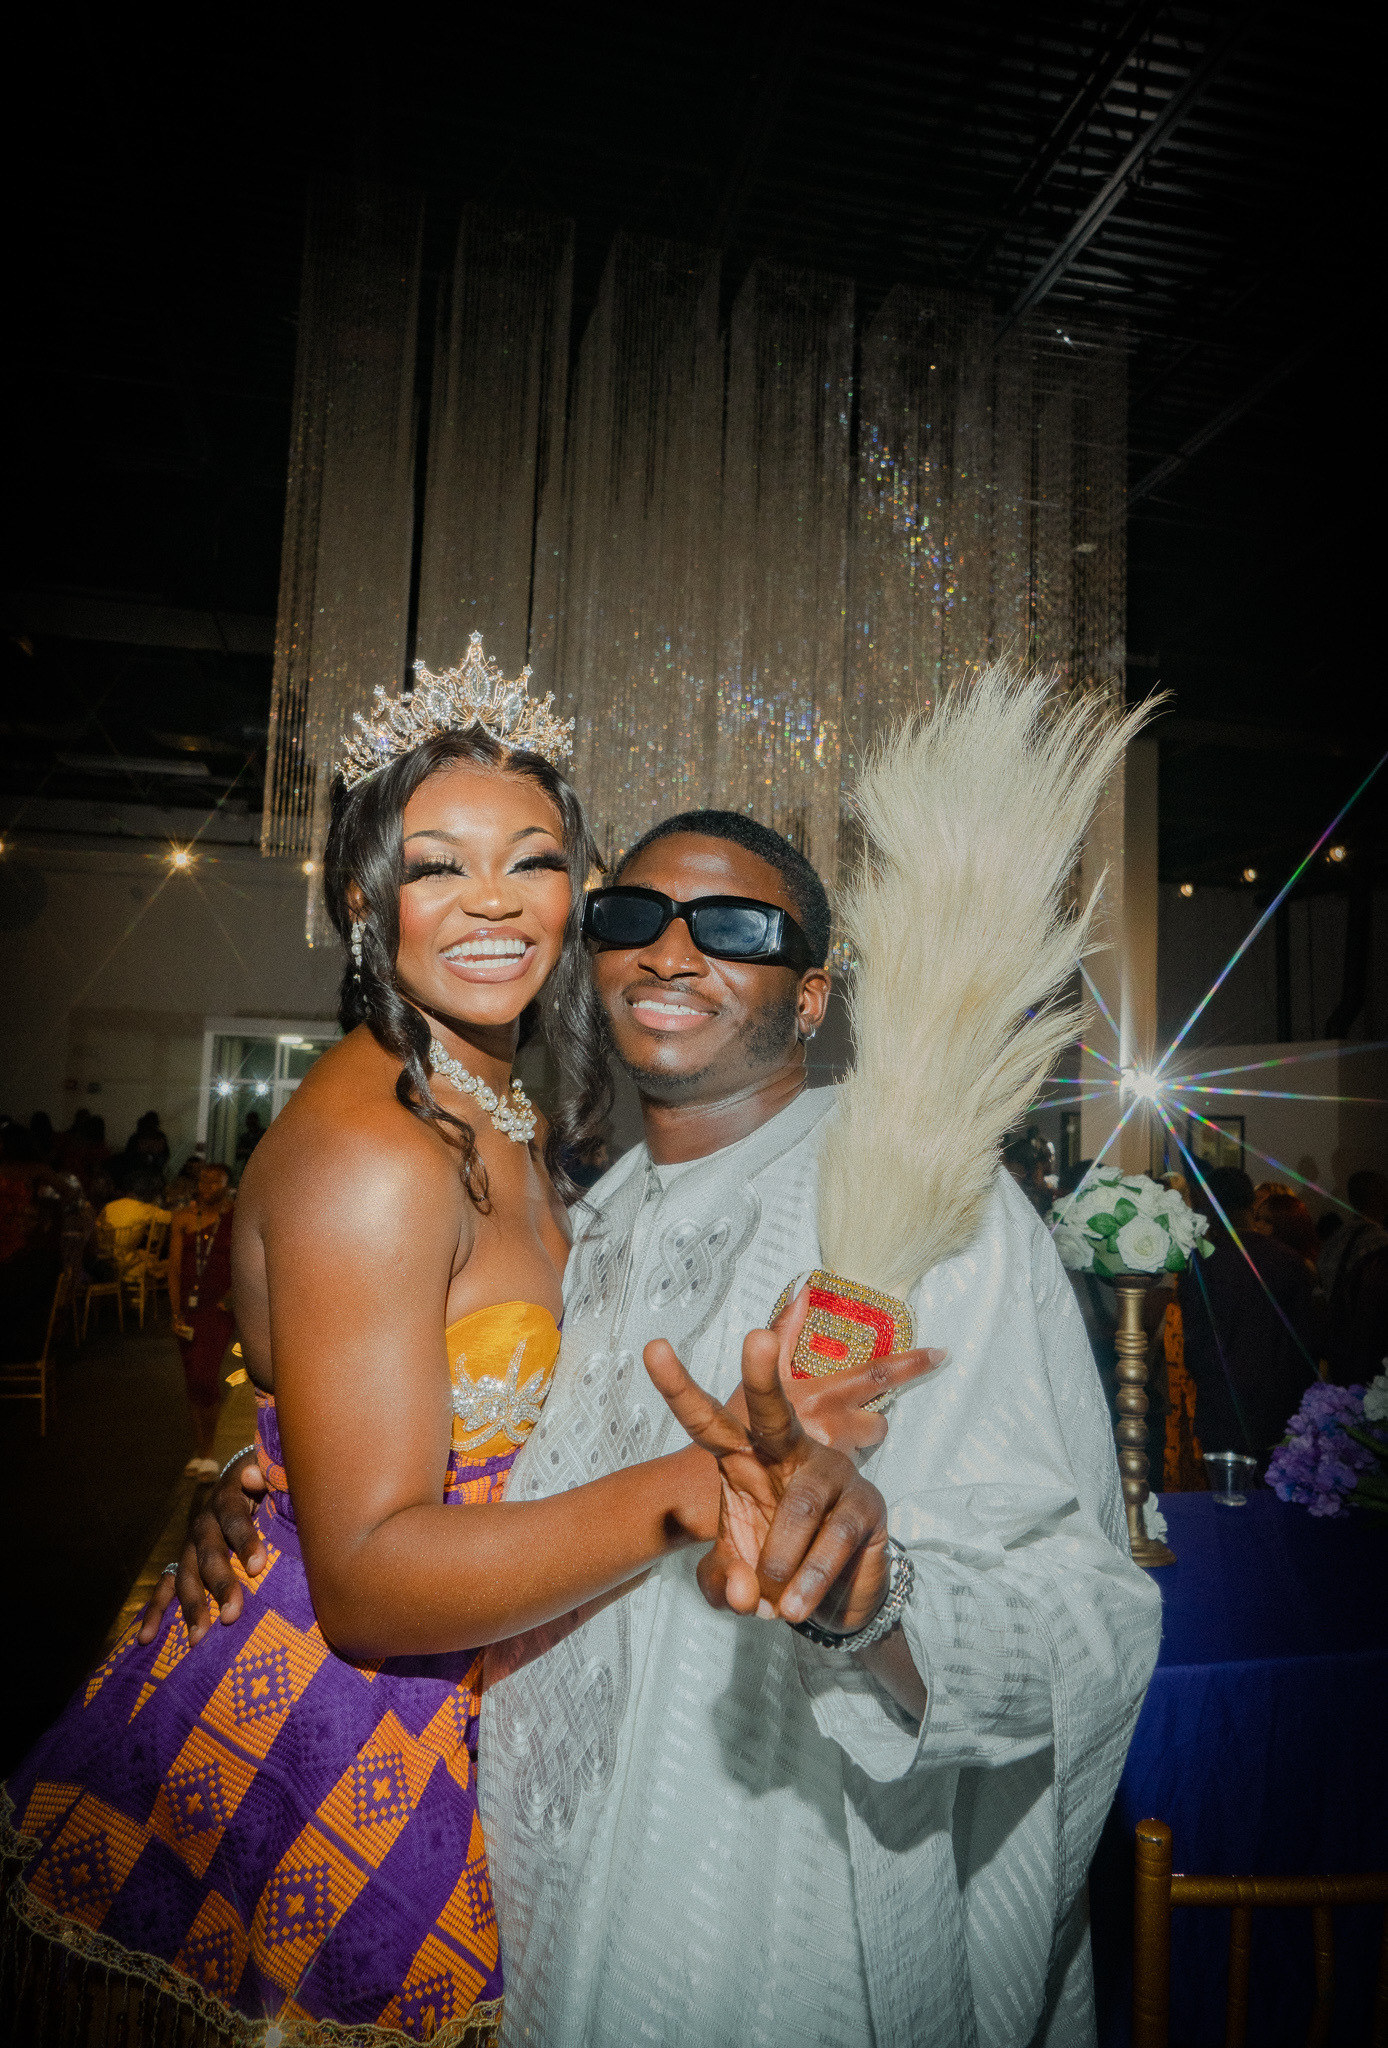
725,927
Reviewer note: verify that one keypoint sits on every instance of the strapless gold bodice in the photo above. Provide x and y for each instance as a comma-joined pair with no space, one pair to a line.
501,1360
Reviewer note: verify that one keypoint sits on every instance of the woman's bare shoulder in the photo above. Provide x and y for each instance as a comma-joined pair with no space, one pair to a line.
345,1139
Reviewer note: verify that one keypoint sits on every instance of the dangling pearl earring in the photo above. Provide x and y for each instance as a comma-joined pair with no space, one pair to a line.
357,930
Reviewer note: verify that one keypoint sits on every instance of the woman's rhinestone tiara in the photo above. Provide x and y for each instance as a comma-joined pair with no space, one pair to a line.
474,694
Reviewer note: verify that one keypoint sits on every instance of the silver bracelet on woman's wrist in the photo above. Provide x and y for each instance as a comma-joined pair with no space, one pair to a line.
233,1460
899,1583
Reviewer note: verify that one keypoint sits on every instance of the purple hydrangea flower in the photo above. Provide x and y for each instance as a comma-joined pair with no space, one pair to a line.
1317,1465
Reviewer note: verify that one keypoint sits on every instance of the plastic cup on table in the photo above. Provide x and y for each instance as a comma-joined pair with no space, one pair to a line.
1230,1475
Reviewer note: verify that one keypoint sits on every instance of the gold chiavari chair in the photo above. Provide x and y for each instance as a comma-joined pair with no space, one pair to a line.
118,1246
1158,1889
30,1382
149,1272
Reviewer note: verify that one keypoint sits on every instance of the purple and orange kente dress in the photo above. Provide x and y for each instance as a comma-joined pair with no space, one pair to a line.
255,1839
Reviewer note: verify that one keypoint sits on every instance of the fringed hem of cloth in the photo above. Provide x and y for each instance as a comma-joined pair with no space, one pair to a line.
45,1999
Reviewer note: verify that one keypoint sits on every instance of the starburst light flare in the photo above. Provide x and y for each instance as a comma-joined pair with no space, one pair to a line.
1281,1166
1214,1203
1278,900
1288,1059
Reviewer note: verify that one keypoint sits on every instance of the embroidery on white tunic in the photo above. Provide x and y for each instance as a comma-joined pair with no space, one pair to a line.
489,1407
599,1260
553,1721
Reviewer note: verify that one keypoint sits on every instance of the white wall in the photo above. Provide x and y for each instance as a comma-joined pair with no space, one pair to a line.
1324,1141
121,959
1199,933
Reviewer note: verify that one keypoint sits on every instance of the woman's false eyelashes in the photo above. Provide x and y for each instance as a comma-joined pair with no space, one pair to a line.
531,863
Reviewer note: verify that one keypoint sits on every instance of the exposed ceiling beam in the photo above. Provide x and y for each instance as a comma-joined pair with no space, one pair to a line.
64,615
1115,190
775,87
1235,410
1113,58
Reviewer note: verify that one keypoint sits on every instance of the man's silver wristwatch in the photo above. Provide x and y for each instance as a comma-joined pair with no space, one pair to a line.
899,1584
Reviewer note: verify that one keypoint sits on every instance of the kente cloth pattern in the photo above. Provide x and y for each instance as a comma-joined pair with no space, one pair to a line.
706,1833
212,1325
263,1830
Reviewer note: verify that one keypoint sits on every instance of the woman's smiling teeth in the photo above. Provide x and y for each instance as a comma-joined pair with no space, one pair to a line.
491,956
487,949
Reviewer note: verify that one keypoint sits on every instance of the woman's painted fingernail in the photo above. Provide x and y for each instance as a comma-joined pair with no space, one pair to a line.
935,1356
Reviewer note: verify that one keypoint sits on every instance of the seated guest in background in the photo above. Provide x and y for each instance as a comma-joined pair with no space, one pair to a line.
1248,1323
184,1186
252,1131
42,1133
1353,1267
1028,1160
1280,1212
28,1244
200,1292
20,1172
82,1149
146,1158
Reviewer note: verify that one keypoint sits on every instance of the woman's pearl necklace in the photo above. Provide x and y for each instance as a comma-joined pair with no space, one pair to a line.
514,1121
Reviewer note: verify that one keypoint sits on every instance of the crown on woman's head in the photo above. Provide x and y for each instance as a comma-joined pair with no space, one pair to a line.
475,694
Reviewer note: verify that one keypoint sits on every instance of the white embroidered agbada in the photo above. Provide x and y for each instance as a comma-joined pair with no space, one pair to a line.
704,1831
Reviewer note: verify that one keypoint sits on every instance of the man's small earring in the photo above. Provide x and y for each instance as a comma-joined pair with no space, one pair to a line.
357,930
806,1036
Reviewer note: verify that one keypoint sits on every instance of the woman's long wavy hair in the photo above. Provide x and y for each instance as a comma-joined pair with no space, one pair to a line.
366,846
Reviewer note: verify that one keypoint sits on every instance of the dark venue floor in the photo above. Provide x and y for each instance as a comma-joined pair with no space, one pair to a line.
85,1504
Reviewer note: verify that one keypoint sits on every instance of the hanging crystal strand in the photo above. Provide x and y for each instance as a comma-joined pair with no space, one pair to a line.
1054,552
641,480
500,372
1013,510
1100,522
965,634
901,514
784,554
345,575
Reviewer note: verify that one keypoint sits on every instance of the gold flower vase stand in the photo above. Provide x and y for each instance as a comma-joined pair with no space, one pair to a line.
1131,1429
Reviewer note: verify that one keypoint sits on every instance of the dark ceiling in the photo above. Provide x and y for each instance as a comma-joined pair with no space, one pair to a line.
1193,174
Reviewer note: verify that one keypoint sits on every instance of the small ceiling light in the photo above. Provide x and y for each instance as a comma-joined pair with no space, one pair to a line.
1250,874
180,857
1337,853
225,1087
262,1088
310,867
1187,888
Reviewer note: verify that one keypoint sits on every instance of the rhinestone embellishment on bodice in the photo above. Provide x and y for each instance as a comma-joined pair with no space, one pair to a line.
489,1407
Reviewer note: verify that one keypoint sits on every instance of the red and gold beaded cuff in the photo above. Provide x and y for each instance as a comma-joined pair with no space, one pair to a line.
847,1325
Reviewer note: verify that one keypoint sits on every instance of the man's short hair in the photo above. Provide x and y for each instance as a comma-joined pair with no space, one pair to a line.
1231,1188
803,885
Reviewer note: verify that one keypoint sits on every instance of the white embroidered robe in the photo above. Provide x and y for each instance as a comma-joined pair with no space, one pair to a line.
706,1833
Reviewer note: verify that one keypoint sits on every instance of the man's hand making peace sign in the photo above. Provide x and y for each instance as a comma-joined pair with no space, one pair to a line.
800,1531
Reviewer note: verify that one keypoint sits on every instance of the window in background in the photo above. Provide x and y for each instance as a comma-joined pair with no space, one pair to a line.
250,1068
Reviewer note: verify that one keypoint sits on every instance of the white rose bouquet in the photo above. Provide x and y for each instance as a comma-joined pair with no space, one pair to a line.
1126,1223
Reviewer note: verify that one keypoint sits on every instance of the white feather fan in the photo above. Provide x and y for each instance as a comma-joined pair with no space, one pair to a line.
973,815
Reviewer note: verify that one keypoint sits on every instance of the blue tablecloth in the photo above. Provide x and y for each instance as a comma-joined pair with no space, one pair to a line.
1262,1743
